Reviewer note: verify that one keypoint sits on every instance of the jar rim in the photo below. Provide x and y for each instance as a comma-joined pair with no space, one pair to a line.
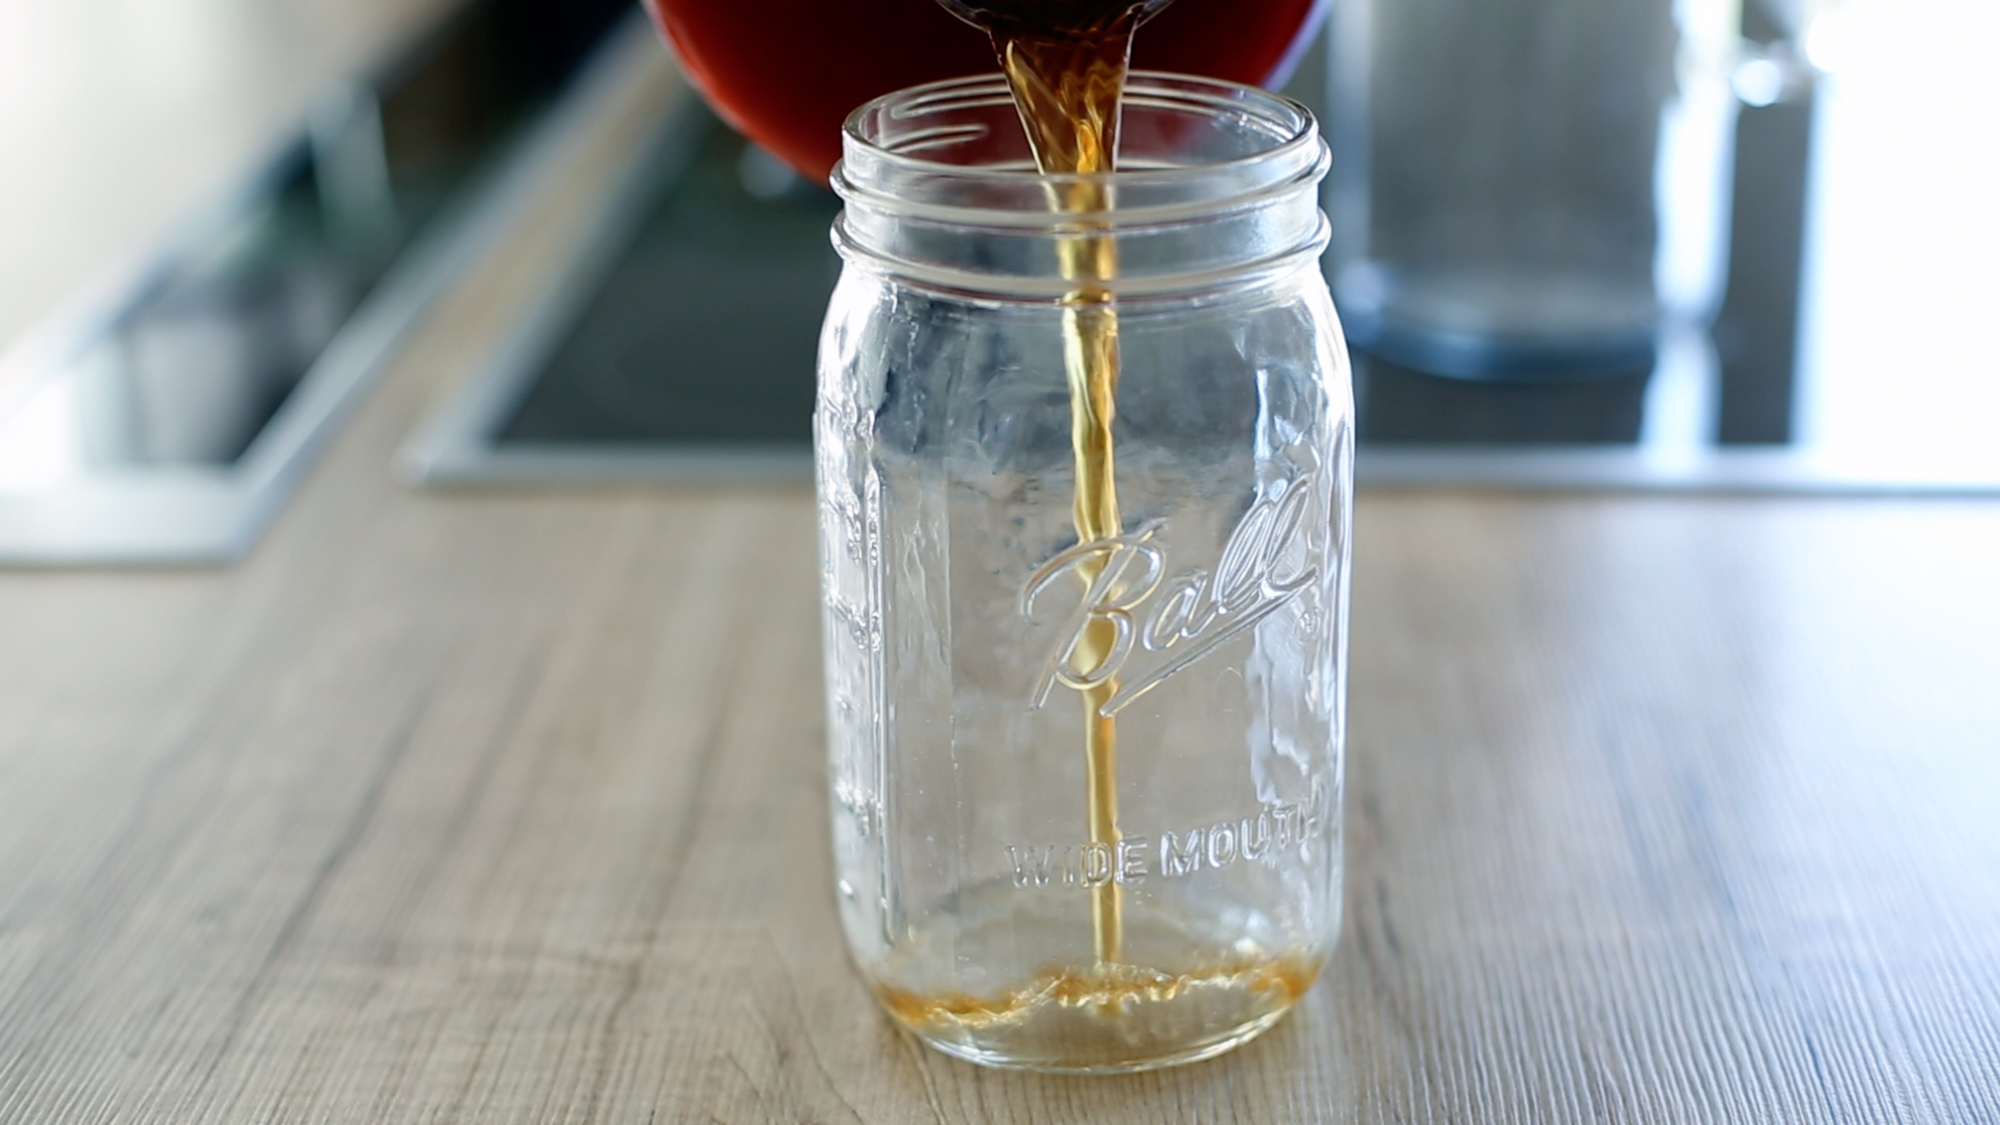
1220,184
1300,128
896,179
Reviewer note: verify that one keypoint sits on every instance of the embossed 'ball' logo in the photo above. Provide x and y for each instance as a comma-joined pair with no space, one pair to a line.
1129,604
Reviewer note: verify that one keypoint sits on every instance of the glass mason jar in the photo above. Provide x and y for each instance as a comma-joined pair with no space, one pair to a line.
1086,790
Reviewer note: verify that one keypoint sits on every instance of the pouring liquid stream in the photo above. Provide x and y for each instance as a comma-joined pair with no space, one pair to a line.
1065,63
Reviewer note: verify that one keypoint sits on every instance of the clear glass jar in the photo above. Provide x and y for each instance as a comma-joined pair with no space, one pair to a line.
997,902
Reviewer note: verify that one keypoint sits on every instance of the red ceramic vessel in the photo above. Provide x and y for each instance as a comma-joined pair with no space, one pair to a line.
788,72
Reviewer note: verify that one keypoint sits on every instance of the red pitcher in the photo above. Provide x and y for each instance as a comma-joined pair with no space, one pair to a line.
788,73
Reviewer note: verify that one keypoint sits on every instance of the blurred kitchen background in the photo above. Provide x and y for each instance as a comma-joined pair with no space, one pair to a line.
1770,268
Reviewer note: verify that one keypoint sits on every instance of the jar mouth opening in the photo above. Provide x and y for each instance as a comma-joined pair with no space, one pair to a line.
1218,183
958,144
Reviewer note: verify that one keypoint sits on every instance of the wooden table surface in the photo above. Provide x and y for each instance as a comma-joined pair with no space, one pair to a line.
510,807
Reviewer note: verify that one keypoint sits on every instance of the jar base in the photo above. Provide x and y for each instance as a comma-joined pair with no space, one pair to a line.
1111,1019
1194,1053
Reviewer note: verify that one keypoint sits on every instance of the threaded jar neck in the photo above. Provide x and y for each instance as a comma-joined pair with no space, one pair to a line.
1217,188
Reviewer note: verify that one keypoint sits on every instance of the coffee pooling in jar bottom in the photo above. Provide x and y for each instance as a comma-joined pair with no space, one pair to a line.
1110,1017
1196,983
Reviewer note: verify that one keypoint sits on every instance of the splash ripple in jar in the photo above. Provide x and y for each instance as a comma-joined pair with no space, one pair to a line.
974,636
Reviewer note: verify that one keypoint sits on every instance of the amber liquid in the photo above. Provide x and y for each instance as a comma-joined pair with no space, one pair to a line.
1065,62
1112,1017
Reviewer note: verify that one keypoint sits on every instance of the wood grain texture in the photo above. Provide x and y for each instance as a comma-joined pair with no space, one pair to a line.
510,807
